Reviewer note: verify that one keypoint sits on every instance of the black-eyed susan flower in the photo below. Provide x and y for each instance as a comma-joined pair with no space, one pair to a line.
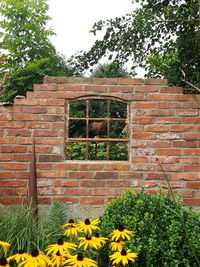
3,262
72,228
123,257
5,246
61,246
88,242
116,245
80,261
88,226
100,240
19,257
36,258
121,233
57,260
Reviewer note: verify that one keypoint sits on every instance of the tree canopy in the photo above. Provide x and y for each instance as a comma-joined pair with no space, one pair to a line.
162,36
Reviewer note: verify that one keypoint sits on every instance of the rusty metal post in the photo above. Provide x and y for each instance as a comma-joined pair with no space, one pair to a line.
32,186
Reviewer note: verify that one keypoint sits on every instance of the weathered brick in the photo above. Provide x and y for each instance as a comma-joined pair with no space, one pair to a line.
92,200
103,192
106,175
50,158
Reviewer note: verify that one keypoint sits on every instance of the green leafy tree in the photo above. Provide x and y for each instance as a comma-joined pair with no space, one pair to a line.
162,36
26,46
110,70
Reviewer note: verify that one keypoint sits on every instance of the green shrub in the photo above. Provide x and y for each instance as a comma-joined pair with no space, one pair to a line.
165,233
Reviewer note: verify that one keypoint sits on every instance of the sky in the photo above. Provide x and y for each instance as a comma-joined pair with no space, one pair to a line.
73,19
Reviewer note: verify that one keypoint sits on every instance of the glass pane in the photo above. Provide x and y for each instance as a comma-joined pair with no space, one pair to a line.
118,151
118,129
98,109
76,151
98,129
77,128
97,151
78,109
118,110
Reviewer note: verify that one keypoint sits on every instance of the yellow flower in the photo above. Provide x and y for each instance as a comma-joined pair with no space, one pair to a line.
61,246
88,226
57,260
88,241
123,257
73,228
121,233
20,256
80,261
3,262
100,240
116,245
5,246
37,259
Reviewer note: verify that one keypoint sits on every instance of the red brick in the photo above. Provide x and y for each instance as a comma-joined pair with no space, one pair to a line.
60,95
119,88
160,144
191,120
54,174
172,90
43,87
107,81
143,167
81,175
138,128
156,81
191,152
46,133
145,136
7,140
103,192
182,128
44,166
91,167
147,88
50,158
190,104
159,97
96,88
55,110
92,183
77,192
65,166
22,157
184,176
191,136
145,184
106,175
159,113
52,117
164,184
139,144
118,183
170,168
13,183
131,81
168,120
184,144
26,102
11,200
187,112
66,183
182,97
191,202
18,132
156,128
146,104
34,110
155,176
6,117
194,168
188,160
117,167
43,94
5,157
26,117
38,125
13,166
52,102
12,124
13,149
69,87
169,105
142,120
139,159
91,200
7,175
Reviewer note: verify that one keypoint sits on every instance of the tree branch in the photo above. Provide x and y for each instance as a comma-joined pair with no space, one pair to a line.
189,83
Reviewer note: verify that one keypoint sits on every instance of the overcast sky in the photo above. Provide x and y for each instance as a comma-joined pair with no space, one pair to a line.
73,19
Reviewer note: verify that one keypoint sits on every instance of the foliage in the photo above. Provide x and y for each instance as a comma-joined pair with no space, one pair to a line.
110,70
26,46
19,227
165,233
158,30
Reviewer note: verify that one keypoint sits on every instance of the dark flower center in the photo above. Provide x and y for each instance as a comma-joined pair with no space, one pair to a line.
97,235
121,228
34,253
80,257
57,253
21,251
60,242
88,237
3,261
71,221
123,252
87,222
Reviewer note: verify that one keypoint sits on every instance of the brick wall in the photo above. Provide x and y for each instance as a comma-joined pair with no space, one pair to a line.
165,123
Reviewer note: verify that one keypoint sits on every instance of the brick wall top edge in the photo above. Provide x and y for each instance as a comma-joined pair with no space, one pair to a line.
107,81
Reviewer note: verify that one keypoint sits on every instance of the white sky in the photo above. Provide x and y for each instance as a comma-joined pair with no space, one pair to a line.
73,19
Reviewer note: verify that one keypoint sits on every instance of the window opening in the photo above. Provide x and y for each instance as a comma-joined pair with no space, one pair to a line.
97,129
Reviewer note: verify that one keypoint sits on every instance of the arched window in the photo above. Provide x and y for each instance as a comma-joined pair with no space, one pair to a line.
97,129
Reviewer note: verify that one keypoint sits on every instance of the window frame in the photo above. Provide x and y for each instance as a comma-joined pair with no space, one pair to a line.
88,139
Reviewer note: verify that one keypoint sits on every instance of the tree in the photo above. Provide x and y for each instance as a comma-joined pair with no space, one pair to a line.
162,36
26,46
109,70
